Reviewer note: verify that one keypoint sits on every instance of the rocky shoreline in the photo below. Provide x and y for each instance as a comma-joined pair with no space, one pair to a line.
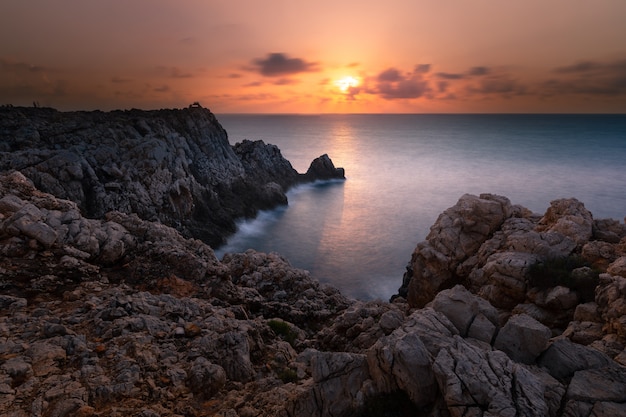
502,312
174,166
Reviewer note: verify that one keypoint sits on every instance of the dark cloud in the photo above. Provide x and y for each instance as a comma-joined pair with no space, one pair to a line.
422,68
583,66
472,72
501,84
285,81
392,84
450,76
478,71
589,78
390,75
279,64
442,86
234,75
162,89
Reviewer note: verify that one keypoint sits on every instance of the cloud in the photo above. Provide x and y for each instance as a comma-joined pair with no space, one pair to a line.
174,72
285,81
20,67
162,89
279,64
478,71
392,84
422,68
588,78
120,80
450,76
501,84
390,75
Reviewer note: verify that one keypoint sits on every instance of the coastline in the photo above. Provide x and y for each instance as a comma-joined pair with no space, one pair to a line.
114,314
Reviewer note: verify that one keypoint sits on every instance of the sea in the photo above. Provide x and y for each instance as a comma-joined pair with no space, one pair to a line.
403,170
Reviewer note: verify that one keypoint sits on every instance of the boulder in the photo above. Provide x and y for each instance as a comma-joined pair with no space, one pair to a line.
322,168
456,235
523,338
563,358
467,312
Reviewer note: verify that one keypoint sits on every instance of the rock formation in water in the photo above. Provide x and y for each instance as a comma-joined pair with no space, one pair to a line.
174,166
523,315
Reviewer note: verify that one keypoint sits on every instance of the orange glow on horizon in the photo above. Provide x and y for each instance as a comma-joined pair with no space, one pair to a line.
346,83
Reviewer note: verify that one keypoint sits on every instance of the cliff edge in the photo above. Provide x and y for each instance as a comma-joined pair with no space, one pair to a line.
174,166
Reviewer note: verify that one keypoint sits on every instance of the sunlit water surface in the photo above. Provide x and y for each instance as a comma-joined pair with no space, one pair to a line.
404,170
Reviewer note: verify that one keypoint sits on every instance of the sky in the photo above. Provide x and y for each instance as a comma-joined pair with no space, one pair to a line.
323,56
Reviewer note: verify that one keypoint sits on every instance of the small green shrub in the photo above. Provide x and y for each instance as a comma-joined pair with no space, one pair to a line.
558,271
287,375
284,330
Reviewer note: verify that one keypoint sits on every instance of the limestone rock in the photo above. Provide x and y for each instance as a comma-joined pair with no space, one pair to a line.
563,358
456,235
322,168
522,338
176,166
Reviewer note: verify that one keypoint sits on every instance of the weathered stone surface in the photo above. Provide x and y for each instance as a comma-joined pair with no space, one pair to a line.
322,168
124,316
474,381
522,338
563,358
463,308
172,165
457,234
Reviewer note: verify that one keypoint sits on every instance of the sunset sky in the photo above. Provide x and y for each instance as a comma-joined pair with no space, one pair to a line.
323,56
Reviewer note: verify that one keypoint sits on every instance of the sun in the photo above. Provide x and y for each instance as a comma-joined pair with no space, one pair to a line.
346,83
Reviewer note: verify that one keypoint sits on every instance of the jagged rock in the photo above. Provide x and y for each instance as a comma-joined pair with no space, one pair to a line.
206,378
522,338
401,361
322,168
618,267
467,312
563,358
456,235
473,380
172,165
570,218
125,316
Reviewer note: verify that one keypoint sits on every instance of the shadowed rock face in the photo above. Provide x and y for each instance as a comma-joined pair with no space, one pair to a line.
112,316
174,166
120,315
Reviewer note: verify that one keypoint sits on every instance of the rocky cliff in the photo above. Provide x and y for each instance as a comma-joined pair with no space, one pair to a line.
502,312
123,316
172,166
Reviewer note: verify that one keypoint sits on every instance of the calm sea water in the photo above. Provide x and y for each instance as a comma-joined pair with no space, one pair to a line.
404,170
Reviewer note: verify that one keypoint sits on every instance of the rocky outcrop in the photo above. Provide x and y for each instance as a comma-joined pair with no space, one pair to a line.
125,316
174,166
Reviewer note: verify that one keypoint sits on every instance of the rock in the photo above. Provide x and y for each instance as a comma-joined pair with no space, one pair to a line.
467,312
339,382
473,380
522,338
603,384
172,165
456,235
401,361
205,378
570,218
618,267
322,168
563,358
